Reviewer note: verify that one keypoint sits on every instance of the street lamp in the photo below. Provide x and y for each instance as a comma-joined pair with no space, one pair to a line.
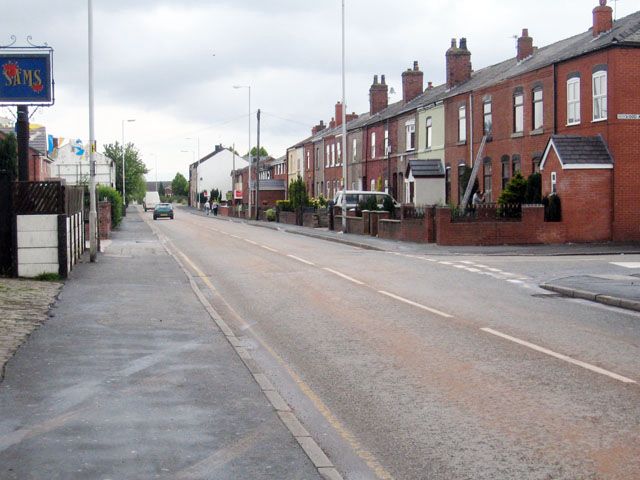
193,158
124,198
248,87
344,134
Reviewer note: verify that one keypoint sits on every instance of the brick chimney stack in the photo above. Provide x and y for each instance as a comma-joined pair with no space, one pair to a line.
430,86
525,45
318,128
602,18
458,63
378,95
412,82
332,123
338,114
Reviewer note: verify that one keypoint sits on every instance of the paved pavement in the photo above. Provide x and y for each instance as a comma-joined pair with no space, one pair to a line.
134,377
24,305
616,290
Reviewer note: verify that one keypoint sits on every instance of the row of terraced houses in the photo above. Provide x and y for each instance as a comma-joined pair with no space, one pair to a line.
569,110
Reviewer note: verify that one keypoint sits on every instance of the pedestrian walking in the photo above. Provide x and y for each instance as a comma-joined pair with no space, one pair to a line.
207,207
214,206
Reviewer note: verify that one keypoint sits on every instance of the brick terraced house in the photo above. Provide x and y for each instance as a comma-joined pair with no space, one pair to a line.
570,110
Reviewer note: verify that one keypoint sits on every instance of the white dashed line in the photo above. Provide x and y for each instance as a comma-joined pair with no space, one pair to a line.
301,260
409,302
250,241
269,248
627,264
559,356
346,277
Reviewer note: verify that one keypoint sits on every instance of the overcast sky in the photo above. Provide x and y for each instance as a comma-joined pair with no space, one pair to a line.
171,65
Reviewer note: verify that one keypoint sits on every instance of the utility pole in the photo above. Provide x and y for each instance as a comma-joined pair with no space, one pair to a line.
233,176
258,173
93,215
344,132
22,130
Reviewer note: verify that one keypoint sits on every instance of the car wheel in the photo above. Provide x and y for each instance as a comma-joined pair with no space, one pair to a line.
171,217
155,218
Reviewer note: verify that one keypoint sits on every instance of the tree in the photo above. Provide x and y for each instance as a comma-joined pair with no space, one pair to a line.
514,192
161,191
135,170
298,193
263,152
9,156
180,185
534,188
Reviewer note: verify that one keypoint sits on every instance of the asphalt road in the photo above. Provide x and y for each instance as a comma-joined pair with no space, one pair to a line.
410,367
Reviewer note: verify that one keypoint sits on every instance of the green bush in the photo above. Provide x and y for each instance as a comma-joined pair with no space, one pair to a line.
284,205
514,192
370,203
319,202
113,197
298,193
534,189
552,208
389,206
271,215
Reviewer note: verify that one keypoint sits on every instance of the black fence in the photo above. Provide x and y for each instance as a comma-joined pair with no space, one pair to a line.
488,212
6,225
46,198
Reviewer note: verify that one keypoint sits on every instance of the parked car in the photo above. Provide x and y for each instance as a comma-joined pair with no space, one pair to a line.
151,199
356,197
163,210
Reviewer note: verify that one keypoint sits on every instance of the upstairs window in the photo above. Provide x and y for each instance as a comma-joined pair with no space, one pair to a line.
505,171
600,95
354,149
487,117
373,144
538,109
462,123
516,164
518,113
339,159
327,156
488,171
429,124
308,160
410,128
386,142
573,101
333,154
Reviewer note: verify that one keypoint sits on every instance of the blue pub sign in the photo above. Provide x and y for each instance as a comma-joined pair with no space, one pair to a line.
26,78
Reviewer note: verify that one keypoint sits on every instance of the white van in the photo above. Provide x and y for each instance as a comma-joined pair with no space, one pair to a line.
356,197
150,200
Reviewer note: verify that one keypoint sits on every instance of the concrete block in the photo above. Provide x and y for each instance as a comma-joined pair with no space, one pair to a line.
330,474
37,223
38,239
277,401
37,255
314,452
292,423
35,269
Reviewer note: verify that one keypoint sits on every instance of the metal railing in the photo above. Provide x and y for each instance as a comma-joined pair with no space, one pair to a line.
488,212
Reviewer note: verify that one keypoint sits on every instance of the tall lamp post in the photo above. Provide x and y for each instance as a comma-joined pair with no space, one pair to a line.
124,189
93,214
248,87
344,133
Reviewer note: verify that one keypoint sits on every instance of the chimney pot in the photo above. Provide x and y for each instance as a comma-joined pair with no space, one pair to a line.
375,79
415,66
463,43
453,43
525,45
383,80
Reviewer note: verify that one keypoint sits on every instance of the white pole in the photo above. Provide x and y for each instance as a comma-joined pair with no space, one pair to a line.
250,162
344,133
93,215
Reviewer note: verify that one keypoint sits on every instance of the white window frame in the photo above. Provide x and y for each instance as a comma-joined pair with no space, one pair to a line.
554,182
339,153
354,149
308,160
600,98
538,103
373,144
573,101
462,123
410,132
333,154
386,141
487,118
327,156
518,113
429,127
373,184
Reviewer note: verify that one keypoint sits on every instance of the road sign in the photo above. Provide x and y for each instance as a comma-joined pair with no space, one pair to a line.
629,116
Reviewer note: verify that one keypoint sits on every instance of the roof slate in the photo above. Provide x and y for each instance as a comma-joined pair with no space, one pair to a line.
626,31
576,150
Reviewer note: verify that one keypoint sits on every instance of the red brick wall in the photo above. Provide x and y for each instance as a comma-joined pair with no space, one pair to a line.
586,200
504,141
288,217
532,229
104,220
268,198
419,230
355,225
622,136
